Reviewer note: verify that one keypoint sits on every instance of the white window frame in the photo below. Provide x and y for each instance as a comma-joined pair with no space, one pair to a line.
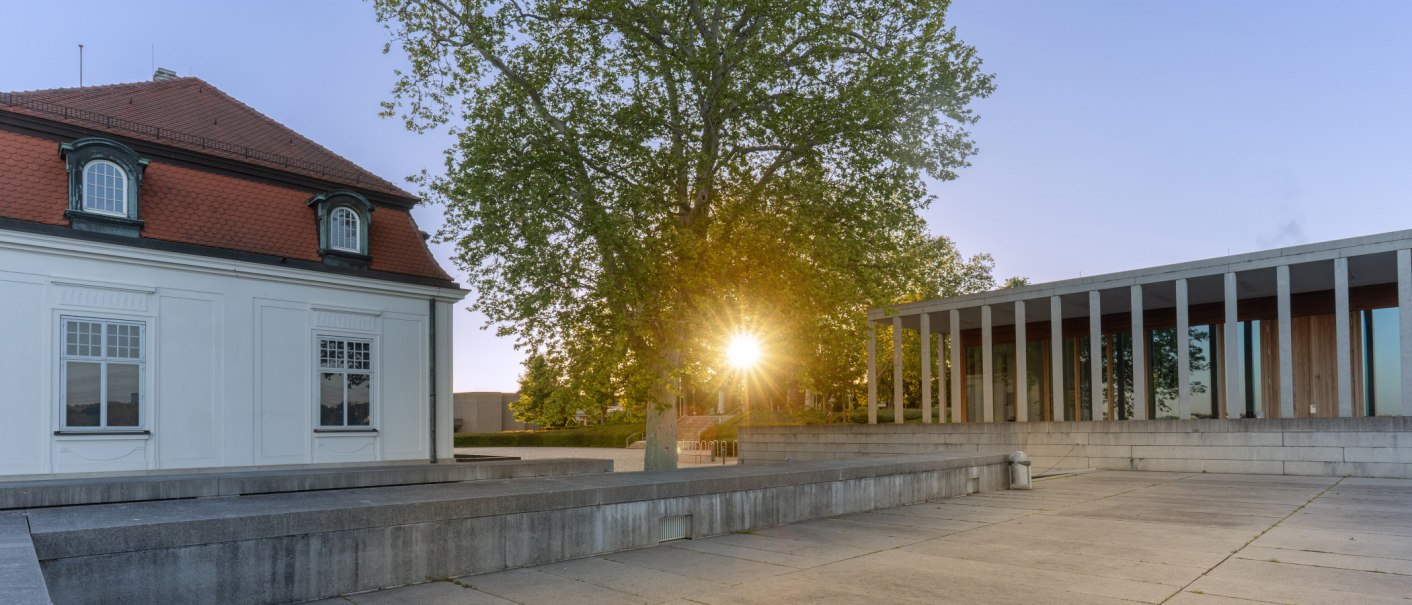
333,227
123,192
103,359
373,381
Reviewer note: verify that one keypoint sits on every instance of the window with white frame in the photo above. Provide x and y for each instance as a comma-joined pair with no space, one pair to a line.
101,364
343,230
104,188
345,382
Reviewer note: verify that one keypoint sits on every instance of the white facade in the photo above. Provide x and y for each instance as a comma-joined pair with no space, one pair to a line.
228,363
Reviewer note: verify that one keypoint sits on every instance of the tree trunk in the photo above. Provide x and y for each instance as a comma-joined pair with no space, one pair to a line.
662,434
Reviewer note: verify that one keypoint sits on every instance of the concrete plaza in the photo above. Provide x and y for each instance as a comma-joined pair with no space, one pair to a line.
1104,537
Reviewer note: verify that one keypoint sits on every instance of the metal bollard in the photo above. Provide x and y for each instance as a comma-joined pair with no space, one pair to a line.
1020,471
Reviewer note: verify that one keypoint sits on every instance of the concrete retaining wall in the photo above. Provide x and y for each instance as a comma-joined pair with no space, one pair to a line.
298,546
21,582
1355,447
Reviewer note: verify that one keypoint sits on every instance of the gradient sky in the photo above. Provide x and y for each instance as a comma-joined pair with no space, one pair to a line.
1121,135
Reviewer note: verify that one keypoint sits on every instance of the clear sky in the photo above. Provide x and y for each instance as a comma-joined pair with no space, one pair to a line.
1121,135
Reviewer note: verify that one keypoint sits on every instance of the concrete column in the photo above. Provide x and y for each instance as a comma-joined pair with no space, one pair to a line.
897,369
1183,353
941,377
987,371
1139,357
1342,336
872,373
1022,391
1056,358
1095,356
926,330
958,380
1404,325
1235,355
1286,342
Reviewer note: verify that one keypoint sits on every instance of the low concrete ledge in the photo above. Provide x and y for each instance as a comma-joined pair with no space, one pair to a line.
43,493
21,581
297,546
1379,447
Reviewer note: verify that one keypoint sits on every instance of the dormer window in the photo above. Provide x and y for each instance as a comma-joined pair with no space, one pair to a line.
104,188
345,230
344,218
105,178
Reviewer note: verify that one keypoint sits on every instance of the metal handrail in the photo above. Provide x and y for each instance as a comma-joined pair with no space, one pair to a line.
631,438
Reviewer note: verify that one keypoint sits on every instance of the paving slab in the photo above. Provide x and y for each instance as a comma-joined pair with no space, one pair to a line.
534,587
430,593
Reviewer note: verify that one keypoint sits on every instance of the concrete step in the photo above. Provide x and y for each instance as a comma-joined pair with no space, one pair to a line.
637,445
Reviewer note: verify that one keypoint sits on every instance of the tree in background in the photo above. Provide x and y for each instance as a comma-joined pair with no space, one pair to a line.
633,182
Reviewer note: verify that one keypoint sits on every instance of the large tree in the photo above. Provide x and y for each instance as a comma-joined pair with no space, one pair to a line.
633,181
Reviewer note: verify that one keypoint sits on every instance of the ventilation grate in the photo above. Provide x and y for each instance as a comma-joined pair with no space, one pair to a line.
674,528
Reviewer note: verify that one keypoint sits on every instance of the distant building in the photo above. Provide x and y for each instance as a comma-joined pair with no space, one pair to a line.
487,412
189,284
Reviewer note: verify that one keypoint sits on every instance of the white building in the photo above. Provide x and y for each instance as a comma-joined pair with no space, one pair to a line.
189,284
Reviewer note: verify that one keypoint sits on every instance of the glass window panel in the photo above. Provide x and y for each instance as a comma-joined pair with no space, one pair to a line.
1002,374
1077,386
124,394
1122,374
1162,368
104,188
973,395
124,341
82,386
1034,383
343,230
1386,366
359,400
84,338
330,399
1201,354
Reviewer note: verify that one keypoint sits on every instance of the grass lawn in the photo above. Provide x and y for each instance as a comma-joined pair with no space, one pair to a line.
607,435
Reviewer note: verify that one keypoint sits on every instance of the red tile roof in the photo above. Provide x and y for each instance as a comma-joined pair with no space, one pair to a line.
191,114
193,206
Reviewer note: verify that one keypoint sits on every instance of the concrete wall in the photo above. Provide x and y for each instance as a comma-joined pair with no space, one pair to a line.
292,547
230,355
1356,447
487,412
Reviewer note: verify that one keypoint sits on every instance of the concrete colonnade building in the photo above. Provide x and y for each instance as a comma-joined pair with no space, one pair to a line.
1317,330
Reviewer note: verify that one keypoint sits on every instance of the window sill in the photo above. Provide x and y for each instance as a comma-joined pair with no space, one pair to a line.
103,223
340,258
104,434
340,431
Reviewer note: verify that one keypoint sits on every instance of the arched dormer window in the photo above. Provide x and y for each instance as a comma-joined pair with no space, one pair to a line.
344,218
105,179
104,188
345,230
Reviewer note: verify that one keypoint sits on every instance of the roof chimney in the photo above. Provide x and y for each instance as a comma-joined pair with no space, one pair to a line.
163,73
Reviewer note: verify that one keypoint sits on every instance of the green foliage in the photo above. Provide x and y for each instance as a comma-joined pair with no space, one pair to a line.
632,182
547,400
607,435
887,415
1015,282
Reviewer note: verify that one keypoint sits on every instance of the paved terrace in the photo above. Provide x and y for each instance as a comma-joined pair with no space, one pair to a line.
1106,537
